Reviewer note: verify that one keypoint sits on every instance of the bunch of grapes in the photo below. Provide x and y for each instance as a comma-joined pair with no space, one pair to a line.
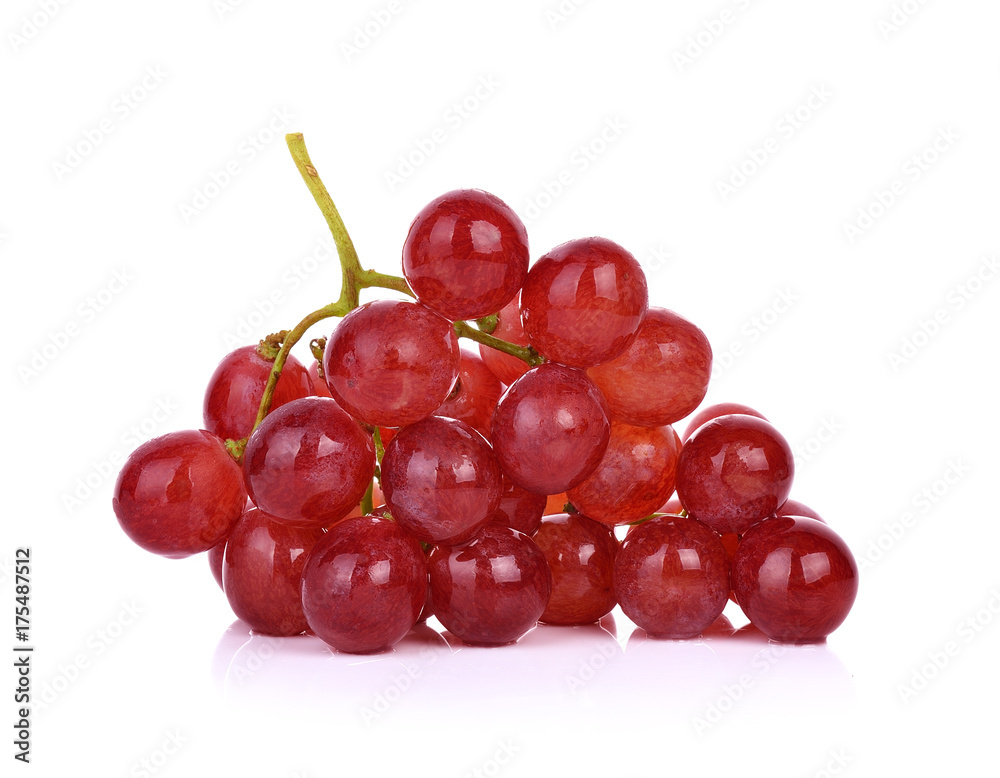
401,475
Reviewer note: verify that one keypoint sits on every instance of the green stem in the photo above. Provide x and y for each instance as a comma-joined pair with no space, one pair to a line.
291,338
354,279
367,502
349,262
526,353
371,278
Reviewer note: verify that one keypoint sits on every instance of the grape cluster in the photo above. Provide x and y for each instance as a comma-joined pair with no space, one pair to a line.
401,475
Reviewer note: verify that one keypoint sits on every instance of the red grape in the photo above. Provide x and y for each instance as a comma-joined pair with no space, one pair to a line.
634,478
492,590
364,585
320,389
215,556
671,577
673,505
581,556
550,429
262,573
466,254
795,579
733,472
235,389
583,302
475,394
391,362
179,494
520,508
309,463
506,367
661,377
714,411
795,508
441,480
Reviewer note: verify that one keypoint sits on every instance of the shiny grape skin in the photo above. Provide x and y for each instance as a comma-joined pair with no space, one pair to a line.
672,506
661,377
520,508
466,254
390,362
581,556
215,556
364,585
550,429
506,367
795,508
715,411
492,590
441,480
309,463
671,577
582,303
179,494
262,573
320,389
475,394
795,579
733,472
634,478
235,389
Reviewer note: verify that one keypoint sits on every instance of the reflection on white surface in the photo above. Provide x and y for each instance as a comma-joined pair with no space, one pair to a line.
698,684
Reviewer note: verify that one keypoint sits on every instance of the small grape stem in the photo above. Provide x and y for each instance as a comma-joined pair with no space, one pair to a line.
367,502
292,337
526,353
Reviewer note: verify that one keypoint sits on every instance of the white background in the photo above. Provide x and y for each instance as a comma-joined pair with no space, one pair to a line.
134,654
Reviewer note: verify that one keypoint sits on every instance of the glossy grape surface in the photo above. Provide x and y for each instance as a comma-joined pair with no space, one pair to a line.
733,472
795,579
581,555
179,494
390,363
262,573
441,480
662,376
309,463
671,577
215,556
364,584
795,508
235,389
466,254
520,508
475,394
715,411
492,590
320,389
634,477
550,429
582,303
